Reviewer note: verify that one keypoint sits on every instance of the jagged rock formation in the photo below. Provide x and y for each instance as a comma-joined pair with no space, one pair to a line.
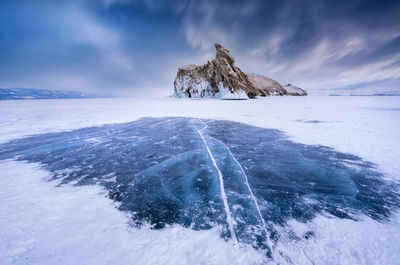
221,78
294,90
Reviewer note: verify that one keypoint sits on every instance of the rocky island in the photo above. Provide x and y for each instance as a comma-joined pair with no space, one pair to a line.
221,78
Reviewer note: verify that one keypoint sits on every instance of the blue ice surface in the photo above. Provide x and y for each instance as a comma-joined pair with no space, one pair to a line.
160,171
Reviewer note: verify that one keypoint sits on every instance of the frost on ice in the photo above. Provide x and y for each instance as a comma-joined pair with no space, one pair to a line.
207,173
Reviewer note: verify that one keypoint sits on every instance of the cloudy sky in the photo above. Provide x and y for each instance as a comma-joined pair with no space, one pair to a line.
128,47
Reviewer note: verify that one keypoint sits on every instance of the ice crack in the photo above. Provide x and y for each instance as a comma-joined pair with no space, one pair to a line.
229,219
252,195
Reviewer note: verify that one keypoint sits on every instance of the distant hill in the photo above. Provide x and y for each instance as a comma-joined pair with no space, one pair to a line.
33,93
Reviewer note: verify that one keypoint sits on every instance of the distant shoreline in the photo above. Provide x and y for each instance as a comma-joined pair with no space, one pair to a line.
373,95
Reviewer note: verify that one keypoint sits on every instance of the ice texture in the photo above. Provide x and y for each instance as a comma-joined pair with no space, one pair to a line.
161,172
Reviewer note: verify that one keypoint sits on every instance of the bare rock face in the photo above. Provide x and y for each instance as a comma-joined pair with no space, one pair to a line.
220,78
267,86
294,90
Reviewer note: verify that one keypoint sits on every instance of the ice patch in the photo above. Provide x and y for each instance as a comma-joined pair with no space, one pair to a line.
44,224
162,174
222,188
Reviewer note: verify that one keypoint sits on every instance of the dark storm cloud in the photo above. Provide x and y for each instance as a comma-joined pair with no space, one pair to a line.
315,44
123,46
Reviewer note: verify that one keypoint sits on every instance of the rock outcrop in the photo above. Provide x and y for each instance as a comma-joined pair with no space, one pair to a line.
266,86
294,90
221,78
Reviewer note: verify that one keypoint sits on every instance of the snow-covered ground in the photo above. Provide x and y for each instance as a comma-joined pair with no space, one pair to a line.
44,224
365,126
41,224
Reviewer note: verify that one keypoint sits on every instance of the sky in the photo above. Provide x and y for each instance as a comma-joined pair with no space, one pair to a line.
134,47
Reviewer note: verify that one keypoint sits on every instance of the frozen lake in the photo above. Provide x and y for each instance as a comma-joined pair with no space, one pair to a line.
252,186
162,172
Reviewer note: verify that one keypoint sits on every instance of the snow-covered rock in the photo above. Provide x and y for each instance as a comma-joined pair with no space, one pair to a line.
294,90
269,87
266,86
219,78
225,94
